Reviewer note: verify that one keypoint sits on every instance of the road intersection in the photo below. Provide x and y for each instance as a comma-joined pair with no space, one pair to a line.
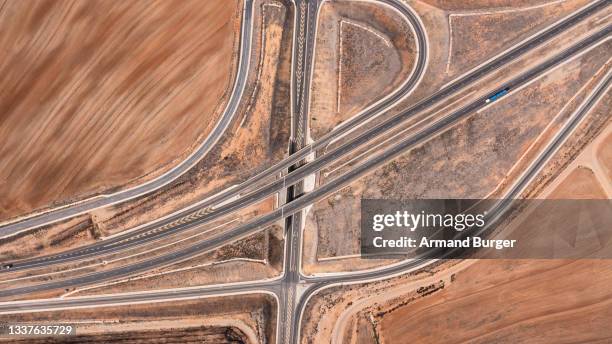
291,304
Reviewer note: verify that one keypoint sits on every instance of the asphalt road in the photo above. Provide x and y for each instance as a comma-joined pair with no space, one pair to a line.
147,233
169,176
316,284
498,210
309,198
119,243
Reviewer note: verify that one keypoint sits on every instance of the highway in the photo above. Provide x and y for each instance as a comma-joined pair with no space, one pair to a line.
319,283
169,176
119,242
315,284
229,113
148,233
319,193
285,285
303,64
304,25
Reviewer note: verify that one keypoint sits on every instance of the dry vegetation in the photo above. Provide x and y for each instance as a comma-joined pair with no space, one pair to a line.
253,258
435,22
363,52
239,319
464,5
257,137
483,301
100,94
485,147
561,301
73,232
492,32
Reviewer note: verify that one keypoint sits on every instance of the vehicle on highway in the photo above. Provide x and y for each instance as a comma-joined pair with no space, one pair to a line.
498,95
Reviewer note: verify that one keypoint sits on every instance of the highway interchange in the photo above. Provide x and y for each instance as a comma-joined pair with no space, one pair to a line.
284,287
61,213
248,196
244,190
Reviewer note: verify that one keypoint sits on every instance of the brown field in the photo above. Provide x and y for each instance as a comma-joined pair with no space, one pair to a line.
604,155
100,94
196,334
261,125
239,319
581,183
511,302
257,138
363,52
544,301
574,232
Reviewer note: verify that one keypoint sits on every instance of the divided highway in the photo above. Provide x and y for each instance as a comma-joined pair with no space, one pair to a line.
169,176
315,284
147,235
318,194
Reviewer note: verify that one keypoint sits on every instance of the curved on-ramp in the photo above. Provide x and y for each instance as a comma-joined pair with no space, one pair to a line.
58,214
147,233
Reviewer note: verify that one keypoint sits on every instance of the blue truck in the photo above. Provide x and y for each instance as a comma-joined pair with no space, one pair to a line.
497,95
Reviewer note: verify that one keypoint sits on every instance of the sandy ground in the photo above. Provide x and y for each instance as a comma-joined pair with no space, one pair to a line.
510,302
100,94
256,139
252,318
493,31
255,257
363,51
604,156
484,301
580,183
462,5
75,231
486,147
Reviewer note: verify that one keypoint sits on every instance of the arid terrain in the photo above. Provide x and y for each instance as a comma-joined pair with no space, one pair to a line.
260,127
486,148
87,85
203,320
568,300
359,48
486,300
253,171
